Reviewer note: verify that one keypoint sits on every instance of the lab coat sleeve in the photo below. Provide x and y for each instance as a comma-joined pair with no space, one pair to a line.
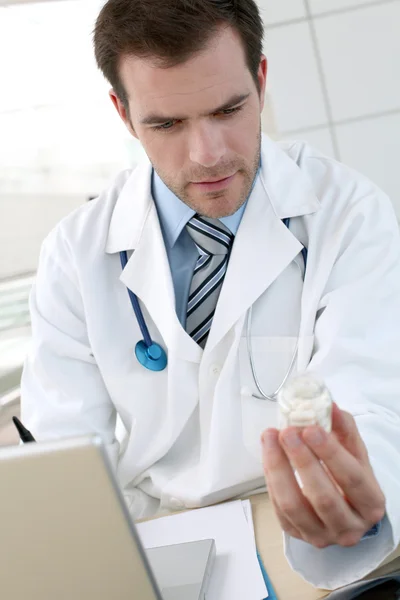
62,390
357,354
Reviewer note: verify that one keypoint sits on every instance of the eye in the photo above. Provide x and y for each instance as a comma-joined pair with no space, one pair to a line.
231,111
165,126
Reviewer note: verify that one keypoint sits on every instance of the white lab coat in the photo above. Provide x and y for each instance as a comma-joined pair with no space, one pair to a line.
193,430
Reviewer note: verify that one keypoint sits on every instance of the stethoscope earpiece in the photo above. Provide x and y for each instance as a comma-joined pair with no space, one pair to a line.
151,357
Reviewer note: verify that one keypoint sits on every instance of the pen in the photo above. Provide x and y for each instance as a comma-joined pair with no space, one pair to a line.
24,434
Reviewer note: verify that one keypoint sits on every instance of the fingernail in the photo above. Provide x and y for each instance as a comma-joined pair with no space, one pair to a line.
315,437
291,439
268,439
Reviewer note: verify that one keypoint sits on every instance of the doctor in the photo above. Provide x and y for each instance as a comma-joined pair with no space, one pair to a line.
214,224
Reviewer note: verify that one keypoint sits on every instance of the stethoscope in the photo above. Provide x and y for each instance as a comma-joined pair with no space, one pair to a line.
154,358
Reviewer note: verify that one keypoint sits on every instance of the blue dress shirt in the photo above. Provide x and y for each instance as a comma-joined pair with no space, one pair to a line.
181,249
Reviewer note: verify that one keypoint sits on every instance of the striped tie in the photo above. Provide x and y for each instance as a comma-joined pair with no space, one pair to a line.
214,242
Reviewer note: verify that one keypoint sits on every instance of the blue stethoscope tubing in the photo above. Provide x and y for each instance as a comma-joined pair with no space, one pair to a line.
148,353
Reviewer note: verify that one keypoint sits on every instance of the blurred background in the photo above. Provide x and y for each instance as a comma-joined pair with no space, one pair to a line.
334,81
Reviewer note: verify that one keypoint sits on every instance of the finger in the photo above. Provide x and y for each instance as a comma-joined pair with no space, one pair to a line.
286,525
289,500
345,429
355,479
330,506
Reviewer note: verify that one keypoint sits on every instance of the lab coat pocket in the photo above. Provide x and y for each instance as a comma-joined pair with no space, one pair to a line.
272,357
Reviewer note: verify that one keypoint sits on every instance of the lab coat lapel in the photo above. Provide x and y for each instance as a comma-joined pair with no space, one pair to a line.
135,226
263,246
148,275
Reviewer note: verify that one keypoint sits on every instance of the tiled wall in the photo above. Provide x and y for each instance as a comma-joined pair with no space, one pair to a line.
334,80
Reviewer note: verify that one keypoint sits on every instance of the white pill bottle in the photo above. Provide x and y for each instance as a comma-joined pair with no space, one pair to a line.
305,400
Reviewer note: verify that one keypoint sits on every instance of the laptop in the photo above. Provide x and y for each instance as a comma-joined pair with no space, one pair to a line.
66,533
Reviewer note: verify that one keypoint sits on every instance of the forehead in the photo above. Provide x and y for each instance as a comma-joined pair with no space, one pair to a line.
204,81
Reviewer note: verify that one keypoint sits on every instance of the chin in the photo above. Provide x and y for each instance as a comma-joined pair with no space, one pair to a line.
217,206
214,208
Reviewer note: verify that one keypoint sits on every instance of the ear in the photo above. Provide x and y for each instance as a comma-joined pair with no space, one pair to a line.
262,79
122,111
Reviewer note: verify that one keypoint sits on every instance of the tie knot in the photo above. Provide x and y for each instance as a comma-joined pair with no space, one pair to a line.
210,235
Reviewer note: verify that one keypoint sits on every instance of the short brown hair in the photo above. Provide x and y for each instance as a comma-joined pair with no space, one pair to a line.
171,31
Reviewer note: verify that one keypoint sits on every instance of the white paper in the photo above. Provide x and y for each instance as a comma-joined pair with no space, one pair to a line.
246,505
236,574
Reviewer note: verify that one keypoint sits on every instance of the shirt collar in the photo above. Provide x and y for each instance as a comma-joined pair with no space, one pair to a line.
175,214
172,212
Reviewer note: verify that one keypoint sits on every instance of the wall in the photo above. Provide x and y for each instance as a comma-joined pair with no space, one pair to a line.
334,80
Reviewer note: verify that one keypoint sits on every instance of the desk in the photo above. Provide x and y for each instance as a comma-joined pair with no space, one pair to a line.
287,584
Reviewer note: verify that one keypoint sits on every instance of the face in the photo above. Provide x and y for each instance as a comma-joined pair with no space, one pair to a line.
199,123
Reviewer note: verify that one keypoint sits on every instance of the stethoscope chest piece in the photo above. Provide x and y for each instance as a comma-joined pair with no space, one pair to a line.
151,357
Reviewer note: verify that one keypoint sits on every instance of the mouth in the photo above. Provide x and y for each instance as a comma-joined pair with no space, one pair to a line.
214,184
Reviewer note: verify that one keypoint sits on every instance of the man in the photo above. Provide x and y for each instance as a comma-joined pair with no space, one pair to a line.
203,227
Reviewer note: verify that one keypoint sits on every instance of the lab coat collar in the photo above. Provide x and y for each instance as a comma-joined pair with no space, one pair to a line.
148,275
135,226
264,246
131,210
290,192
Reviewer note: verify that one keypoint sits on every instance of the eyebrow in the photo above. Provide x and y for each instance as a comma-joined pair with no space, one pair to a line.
154,119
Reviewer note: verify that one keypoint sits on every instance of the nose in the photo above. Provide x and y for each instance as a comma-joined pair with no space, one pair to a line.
207,147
